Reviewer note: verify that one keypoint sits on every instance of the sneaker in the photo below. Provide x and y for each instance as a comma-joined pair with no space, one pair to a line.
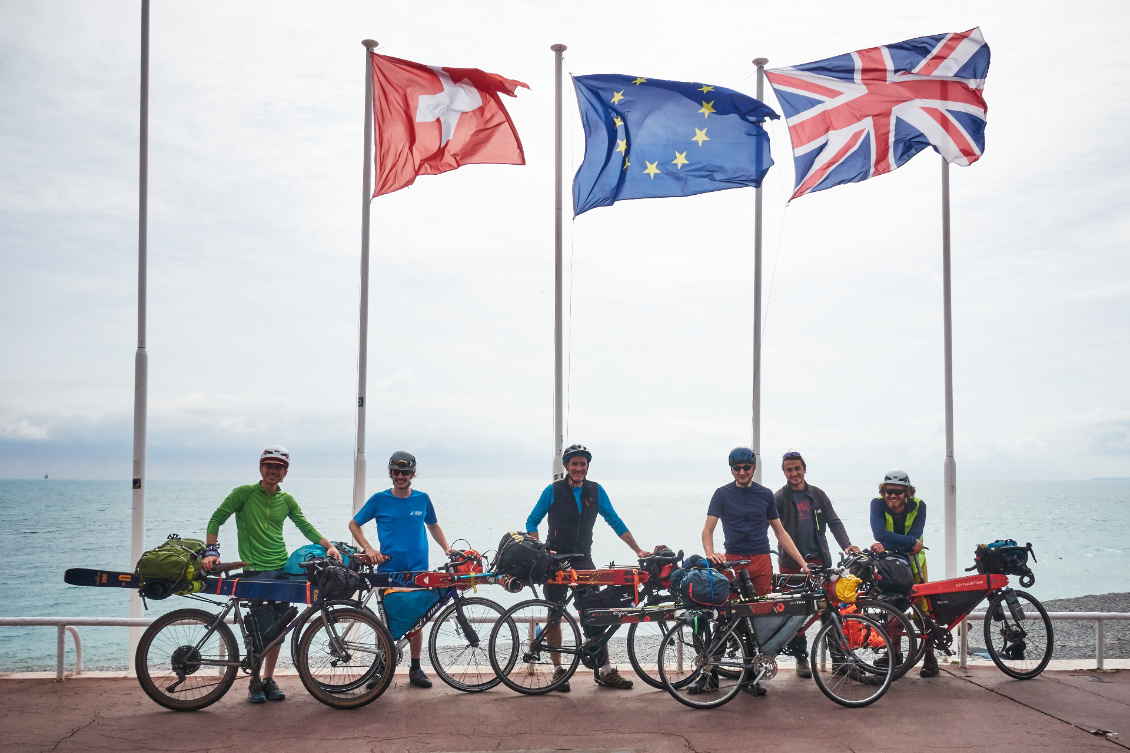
419,679
802,669
255,693
704,684
558,673
270,689
755,689
613,679
864,677
929,666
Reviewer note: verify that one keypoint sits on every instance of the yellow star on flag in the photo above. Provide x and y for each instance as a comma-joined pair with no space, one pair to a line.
707,108
700,136
622,145
706,89
618,121
626,163
680,160
639,81
652,169
617,96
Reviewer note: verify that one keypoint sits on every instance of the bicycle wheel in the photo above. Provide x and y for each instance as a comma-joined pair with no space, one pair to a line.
520,651
346,658
459,651
699,670
643,649
1018,636
186,660
306,617
904,637
920,623
857,676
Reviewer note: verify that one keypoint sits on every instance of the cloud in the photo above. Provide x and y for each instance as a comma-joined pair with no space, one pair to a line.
11,428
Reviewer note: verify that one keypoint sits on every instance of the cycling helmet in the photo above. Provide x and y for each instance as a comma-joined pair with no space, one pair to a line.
740,455
275,453
573,451
899,478
402,460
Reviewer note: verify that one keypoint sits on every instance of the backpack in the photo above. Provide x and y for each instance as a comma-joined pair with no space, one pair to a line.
315,552
522,556
696,583
176,560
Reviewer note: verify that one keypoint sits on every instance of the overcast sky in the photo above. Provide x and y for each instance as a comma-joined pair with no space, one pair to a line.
256,137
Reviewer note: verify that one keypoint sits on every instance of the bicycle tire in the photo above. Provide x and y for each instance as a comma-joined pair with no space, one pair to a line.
173,656
1010,632
898,627
713,674
644,639
855,679
346,658
517,664
460,662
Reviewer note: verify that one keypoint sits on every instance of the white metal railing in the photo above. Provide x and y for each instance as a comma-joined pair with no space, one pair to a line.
1099,618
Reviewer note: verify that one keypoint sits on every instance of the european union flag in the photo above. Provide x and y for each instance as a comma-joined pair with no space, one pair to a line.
646,138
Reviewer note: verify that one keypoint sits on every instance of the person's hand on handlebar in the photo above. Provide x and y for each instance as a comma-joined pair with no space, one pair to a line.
372,558
717,558
333,553
853,549
209,562
878,548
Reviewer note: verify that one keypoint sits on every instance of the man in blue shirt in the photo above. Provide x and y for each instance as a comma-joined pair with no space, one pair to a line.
402,515
572,505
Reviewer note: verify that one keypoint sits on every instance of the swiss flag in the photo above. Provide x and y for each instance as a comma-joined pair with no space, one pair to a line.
430,120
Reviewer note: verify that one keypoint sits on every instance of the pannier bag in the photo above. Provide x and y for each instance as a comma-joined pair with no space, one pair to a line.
696,583
404,608
316,552
175,560
1004,557
610,597
522,556
335,583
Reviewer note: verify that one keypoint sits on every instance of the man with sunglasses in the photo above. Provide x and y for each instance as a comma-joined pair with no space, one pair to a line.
404,516
898,519
807,514
260,510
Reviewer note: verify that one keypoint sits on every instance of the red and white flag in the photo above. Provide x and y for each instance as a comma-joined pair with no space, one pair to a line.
430,120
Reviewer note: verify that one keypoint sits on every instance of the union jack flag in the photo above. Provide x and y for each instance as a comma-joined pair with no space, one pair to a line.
862,114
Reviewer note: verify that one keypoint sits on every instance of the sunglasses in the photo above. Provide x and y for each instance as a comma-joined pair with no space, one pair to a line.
742,467
894,492
402,473
788,455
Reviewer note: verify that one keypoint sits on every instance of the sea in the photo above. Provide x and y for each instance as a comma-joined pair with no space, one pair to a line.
1080,532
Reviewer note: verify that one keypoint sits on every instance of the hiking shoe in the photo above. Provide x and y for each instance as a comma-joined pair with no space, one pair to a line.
802,669
929,666
864,677
613,679
557,675
270,689
419,679
255,693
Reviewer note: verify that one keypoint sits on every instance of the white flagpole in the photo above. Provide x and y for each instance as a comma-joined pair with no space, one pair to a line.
756,436
558,344
363,347
950,467
141,358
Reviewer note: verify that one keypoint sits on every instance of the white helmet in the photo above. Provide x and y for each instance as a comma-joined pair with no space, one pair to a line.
277,453
901,478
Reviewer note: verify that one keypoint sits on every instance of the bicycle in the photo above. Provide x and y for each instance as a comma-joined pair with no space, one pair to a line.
188,659
1018,632
524,645
711,654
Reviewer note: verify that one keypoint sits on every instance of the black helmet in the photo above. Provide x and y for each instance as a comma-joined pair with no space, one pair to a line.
402,460
740,455
573,451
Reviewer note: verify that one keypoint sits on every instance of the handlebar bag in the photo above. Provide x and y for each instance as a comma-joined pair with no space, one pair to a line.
894,576
703,586
335,583
522,556
316,552
1003,557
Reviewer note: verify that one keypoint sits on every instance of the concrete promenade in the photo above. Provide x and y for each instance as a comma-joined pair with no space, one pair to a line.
977,709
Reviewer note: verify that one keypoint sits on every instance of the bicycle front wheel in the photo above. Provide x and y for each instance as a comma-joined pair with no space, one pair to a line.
903,635
643,649
535,647
699,670
186,660
860,653
1019,636
346,658
458,645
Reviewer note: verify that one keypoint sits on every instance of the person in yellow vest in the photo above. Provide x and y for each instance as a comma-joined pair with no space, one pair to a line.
897,521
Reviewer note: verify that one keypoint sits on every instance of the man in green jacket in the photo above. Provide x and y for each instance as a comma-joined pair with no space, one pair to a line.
260,510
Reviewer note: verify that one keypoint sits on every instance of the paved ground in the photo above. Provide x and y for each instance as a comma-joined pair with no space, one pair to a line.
977,709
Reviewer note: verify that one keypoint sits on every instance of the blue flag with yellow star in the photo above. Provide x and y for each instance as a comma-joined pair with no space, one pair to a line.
646,138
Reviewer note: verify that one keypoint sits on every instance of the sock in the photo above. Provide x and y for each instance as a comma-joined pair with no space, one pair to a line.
606,668
415,664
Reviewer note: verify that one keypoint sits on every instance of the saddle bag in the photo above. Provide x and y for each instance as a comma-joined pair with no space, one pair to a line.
522,556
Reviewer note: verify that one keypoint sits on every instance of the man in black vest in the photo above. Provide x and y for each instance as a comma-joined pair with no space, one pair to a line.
807,514
572,505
